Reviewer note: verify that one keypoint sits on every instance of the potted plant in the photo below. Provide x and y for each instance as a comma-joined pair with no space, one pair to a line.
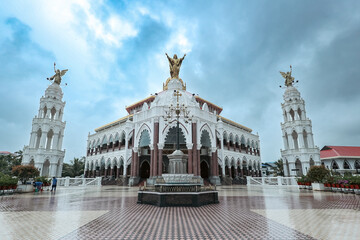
317,176
24,172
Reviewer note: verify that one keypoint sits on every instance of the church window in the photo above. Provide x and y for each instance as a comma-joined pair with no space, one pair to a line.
45,111
346,165
312,163
305,139
334,165
299,113
38,137
205,139
53,111
49,138
295,138
144,139
292,114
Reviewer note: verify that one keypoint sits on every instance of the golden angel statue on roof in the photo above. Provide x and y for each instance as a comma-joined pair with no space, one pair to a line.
289,80
57,76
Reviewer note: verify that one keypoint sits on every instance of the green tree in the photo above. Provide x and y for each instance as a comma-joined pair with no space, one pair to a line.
75,168
7,162
279,168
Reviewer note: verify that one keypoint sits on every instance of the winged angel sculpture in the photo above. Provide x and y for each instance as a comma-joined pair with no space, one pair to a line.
57,76
289,80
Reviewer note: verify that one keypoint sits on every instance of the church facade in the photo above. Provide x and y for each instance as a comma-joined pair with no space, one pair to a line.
136,146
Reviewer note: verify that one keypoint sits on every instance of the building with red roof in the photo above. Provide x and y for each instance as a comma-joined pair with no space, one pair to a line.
341,158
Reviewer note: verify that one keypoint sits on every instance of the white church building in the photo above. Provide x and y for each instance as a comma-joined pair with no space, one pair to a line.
300,152
136,146
45,147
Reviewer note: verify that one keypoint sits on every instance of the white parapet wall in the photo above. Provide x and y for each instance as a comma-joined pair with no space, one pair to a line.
274,181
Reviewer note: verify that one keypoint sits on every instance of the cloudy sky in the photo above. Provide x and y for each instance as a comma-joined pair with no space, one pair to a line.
114,51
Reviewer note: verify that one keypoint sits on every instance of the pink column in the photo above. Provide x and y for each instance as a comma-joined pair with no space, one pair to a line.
136,157
198,162
190,162
152,164
160,162
156,141
194,159
213,165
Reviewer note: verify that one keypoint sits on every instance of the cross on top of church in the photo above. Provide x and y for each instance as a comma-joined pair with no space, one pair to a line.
177,94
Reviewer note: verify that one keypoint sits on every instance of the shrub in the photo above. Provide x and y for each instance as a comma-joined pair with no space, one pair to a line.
318,174
24,172
7,181
44,180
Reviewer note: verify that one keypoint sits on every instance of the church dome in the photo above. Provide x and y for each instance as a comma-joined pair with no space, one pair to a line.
291,93
54,91
167,97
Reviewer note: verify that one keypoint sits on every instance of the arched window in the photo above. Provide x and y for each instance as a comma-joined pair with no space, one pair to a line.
38,137
170,140
205,139
286,141
299,113
45,111
144,140
298,166
306,145
53,112
295,138
49,138
346,165
312,163
334,165
292,114
357,164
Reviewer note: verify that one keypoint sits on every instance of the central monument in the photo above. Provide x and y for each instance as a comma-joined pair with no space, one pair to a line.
178,188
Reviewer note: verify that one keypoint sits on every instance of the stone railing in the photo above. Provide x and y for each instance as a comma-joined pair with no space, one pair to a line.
71,182
279,181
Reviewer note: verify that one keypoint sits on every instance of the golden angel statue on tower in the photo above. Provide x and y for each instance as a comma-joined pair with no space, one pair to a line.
57,76
289,80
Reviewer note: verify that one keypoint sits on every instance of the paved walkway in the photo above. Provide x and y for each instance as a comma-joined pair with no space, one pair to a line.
243,213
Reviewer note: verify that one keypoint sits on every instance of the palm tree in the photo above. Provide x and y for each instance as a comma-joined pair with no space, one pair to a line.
75,168
278,168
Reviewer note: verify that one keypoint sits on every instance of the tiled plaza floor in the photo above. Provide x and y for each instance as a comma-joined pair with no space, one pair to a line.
243,213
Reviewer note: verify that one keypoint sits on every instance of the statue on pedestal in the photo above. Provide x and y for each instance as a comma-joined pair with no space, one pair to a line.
57,76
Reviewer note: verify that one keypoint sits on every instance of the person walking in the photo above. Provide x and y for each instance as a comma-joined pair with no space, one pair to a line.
53,186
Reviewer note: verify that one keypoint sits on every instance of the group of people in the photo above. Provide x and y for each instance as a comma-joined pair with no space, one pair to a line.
38,185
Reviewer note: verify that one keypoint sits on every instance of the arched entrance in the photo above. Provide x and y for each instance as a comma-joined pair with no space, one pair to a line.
121,170
145,169
45,169
227,172
232,172
298,166
204,170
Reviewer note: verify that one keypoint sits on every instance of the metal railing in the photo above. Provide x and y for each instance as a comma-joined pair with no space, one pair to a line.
279,181
71,182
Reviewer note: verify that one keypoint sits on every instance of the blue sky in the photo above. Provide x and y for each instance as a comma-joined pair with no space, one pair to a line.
115,53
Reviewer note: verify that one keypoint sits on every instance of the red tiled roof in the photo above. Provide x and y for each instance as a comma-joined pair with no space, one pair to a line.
339,151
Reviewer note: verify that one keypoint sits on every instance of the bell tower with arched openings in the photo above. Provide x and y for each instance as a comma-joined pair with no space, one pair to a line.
45,148
299,152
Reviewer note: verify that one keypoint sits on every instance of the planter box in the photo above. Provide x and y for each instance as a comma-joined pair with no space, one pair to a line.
318,186
25,188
